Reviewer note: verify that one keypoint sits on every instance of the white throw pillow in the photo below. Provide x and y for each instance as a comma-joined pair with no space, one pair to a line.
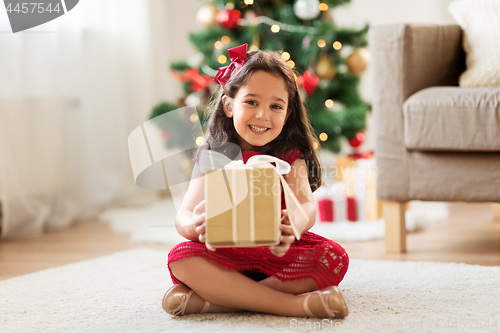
480,21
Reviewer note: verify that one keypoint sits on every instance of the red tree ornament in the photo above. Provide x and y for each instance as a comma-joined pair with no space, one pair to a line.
229,18
309,82
357,140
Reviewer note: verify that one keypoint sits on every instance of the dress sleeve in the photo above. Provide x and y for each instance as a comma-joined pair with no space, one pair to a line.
292,155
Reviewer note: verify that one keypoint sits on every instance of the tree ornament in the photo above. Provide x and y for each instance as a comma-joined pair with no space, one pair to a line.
309,82
229,18
196,60
358,61
306,9
325,68
250,15
327,16
193,99
357,140
306,41
207,14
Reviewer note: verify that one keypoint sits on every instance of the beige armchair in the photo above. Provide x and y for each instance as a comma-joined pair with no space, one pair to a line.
435,141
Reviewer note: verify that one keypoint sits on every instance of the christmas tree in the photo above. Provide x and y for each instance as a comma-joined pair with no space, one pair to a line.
330,59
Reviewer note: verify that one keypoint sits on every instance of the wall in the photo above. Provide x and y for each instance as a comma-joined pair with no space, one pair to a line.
180,21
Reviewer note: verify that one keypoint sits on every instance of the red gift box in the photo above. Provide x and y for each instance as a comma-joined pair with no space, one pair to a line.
351,209
325,209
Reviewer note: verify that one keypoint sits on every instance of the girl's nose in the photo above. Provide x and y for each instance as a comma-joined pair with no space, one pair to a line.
262,113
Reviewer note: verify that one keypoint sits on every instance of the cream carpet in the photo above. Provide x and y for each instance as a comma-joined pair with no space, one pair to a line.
122,292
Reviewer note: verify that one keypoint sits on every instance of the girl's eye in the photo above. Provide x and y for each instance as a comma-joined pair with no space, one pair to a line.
275,106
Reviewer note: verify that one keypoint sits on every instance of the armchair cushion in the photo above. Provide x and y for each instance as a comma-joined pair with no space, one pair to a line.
481,24
453,119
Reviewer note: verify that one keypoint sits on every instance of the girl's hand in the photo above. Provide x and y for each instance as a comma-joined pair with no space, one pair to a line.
286,238
199,220
199,216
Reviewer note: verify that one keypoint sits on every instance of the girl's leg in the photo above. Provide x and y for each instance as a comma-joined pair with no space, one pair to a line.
231,289
290,287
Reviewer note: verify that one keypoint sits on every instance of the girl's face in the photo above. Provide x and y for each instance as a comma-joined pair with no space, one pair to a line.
259,110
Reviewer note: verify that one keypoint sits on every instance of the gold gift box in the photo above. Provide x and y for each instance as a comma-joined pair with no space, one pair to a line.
243,206
346,166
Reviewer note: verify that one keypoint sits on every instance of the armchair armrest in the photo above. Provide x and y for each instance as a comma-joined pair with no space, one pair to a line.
407,58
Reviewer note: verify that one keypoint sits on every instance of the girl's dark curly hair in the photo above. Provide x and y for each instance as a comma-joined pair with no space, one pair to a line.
297,131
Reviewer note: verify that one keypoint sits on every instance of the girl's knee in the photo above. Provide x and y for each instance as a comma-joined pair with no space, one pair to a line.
339,261
344,265
181,267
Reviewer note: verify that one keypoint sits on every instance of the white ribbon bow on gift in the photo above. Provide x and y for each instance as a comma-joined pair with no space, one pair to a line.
212,160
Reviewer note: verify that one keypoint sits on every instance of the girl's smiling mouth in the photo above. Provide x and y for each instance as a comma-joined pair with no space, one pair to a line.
258,129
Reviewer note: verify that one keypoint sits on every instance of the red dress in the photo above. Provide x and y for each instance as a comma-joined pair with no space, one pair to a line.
312,256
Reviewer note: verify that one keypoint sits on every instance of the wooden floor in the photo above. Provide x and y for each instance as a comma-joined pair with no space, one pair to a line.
469,235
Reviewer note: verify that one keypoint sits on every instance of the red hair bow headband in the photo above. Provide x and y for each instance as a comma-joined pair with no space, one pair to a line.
238,55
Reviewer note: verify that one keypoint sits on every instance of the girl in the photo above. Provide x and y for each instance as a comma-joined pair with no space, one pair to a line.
260,109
